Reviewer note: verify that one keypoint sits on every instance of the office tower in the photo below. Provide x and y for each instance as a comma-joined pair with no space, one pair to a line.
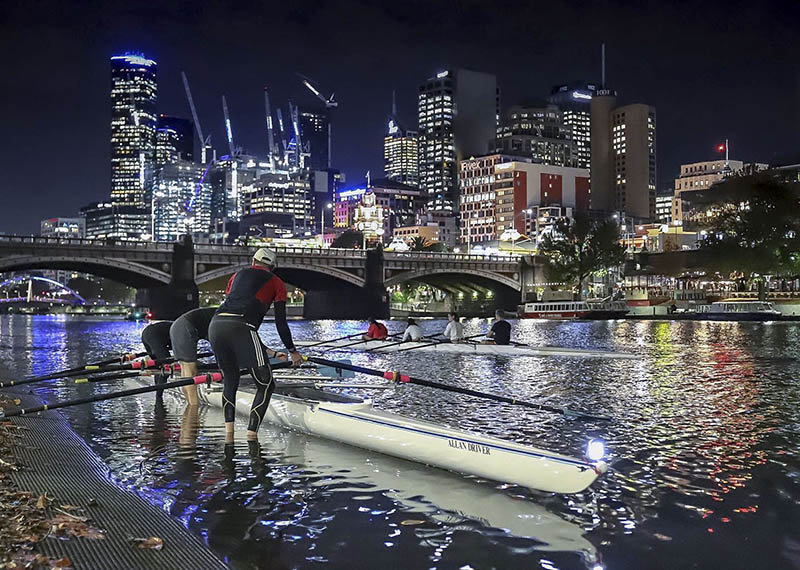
107,221
314,133
181,201
400,151
664,208
278,204
537,131
623,156
174,140
230,179
458,116
574,100
133,128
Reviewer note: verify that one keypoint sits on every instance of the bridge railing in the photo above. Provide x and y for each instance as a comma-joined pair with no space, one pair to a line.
40,240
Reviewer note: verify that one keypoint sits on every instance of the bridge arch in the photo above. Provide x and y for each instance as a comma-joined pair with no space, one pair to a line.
299,275
23,279
127,272
422,274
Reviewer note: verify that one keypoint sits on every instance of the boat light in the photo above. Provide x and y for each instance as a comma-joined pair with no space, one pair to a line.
595,450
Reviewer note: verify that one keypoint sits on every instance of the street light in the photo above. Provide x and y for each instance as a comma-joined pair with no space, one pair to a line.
329,206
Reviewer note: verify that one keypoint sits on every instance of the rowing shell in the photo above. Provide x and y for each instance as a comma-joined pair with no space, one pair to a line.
355,422
469,348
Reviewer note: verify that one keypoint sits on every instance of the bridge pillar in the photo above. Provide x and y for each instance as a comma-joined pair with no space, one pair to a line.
527,278
351,302
168,302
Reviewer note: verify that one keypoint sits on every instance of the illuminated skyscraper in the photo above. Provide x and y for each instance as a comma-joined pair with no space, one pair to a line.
174,140
574,100
133,129
537,131
400,154
458,116
314,136
181,201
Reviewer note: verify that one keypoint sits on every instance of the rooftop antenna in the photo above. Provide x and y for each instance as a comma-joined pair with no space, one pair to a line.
394,103
603,65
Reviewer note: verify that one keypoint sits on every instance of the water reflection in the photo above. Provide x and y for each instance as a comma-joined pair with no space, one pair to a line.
705,453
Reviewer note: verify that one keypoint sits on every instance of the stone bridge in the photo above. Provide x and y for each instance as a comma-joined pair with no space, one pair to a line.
339,283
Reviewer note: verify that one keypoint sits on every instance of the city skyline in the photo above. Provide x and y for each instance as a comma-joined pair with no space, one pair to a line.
694,81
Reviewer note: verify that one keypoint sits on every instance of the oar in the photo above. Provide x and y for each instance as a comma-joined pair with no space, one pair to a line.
60,373
137,364
201,379
333,340
359,342
434,343
398,377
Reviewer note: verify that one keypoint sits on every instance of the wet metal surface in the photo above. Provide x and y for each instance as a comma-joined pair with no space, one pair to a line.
705,452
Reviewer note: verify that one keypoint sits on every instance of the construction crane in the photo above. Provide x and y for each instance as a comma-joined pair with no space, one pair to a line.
294,114
228,131
205,143
270,140
285,158
329,102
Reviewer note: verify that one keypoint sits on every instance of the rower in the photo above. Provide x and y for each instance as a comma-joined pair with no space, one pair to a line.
233,333
454,331
185,333
500,333
412,332
156,341
376,331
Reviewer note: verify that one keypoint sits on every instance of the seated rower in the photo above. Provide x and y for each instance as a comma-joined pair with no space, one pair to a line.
376,330
412,332
454,331
500,333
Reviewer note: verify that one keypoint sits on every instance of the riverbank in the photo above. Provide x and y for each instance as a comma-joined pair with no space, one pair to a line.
59,508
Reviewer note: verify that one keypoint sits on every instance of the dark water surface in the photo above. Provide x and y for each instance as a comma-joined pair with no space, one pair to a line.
705,453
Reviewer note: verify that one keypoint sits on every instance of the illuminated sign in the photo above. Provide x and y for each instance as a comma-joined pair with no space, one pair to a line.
135,59
392,127
579,95
442,74
352,193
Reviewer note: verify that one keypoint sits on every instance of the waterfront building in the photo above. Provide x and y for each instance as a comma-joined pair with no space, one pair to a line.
104,220
701,176
428,232
458,114
63,227
623,153
181,201
400,153
537,131
133,130
574,100
664,208
501,191
174,140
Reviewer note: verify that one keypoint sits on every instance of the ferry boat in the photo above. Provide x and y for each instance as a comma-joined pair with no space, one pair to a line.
731,310
566,310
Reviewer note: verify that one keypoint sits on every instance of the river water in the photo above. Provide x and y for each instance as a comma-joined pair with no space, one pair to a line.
705,452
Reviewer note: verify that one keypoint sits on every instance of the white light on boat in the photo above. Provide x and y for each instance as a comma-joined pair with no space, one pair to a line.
595,450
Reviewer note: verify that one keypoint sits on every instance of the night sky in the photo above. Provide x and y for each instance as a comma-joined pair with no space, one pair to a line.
712,70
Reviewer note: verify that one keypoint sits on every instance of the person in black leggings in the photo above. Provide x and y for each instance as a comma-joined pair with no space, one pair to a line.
233,334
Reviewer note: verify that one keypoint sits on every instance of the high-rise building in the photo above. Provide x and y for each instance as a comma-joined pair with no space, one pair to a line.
314,137
499,193
133,128
458,116
537,131
174,140
283,201
664,208
623,157
231,179
400,154
63,227
181,201
574,100
107,221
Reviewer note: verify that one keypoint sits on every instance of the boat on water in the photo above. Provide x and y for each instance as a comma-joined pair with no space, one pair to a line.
354,421
568,310
469,347
733,310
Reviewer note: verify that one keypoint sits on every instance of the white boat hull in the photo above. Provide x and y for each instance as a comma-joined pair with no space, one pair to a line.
357,423
468,348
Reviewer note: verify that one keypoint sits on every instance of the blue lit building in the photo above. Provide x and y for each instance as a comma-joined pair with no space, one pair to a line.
574,100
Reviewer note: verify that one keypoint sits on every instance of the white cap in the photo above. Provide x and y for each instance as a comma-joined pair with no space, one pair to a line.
266,256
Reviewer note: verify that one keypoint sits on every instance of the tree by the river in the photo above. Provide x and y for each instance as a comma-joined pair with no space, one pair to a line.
578,248
351,239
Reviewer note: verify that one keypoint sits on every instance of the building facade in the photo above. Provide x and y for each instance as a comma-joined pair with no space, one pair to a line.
664,208
104,220
400,203
700,176
623,169
63,227
538,132
458,114
174,140
400,154
315,138
181,201
501,193
285,197
574,100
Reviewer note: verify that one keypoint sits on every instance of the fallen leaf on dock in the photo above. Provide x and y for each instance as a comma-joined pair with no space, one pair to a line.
43,501
153,543
409,522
